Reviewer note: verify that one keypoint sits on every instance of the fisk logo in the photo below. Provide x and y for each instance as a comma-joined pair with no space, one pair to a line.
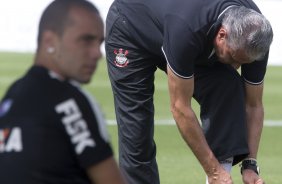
75,125
11,140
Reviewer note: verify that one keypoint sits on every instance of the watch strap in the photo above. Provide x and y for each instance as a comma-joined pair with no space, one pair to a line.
250,164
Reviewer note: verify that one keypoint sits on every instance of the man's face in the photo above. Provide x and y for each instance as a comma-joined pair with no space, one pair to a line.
228,56
78,49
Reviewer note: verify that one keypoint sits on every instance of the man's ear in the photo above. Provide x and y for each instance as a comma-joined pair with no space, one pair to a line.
222,33
49,41
220,36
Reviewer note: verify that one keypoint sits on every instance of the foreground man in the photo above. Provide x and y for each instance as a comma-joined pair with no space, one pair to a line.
50,130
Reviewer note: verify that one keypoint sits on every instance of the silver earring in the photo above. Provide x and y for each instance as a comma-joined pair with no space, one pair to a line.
50,50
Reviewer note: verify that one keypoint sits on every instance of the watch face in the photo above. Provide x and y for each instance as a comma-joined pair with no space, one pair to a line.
250,164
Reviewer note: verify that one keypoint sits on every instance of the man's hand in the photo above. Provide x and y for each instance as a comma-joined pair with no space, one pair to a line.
250,177
220,177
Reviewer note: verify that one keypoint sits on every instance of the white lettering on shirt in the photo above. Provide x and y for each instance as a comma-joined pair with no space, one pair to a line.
75,125
11,140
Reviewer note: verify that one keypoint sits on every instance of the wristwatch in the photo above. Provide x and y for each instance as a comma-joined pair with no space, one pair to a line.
250,164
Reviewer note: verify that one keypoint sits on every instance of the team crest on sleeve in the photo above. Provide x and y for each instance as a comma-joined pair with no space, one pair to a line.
121,59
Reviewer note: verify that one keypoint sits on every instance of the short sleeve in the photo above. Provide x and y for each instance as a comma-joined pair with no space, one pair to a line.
97,126
86,129
181,46
254,73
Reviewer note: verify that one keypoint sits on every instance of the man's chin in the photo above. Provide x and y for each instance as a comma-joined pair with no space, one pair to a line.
83,81
223,61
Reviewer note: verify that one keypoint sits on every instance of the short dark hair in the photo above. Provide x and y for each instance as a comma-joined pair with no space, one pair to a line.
55,16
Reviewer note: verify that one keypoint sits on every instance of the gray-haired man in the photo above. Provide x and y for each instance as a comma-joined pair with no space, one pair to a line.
200,45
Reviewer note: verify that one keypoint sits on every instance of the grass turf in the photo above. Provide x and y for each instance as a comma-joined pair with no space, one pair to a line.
13,65
177,164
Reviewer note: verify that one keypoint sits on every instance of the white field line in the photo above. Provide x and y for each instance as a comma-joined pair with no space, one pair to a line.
268,123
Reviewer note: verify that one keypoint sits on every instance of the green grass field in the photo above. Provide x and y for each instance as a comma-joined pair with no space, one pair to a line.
177,164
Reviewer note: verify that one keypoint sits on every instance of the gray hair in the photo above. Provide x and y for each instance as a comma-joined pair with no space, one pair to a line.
248,30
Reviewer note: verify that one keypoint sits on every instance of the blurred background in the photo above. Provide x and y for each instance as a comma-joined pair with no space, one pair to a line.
19,20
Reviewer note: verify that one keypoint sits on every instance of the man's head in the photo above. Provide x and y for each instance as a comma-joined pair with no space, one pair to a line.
69,39
245,36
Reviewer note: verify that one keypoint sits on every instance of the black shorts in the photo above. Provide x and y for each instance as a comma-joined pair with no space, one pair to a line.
219,89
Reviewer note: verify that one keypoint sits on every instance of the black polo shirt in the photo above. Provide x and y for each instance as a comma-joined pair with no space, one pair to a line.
182,31
50,131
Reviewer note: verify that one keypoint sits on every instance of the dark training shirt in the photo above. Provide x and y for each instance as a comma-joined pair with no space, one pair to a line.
182,32
50,131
